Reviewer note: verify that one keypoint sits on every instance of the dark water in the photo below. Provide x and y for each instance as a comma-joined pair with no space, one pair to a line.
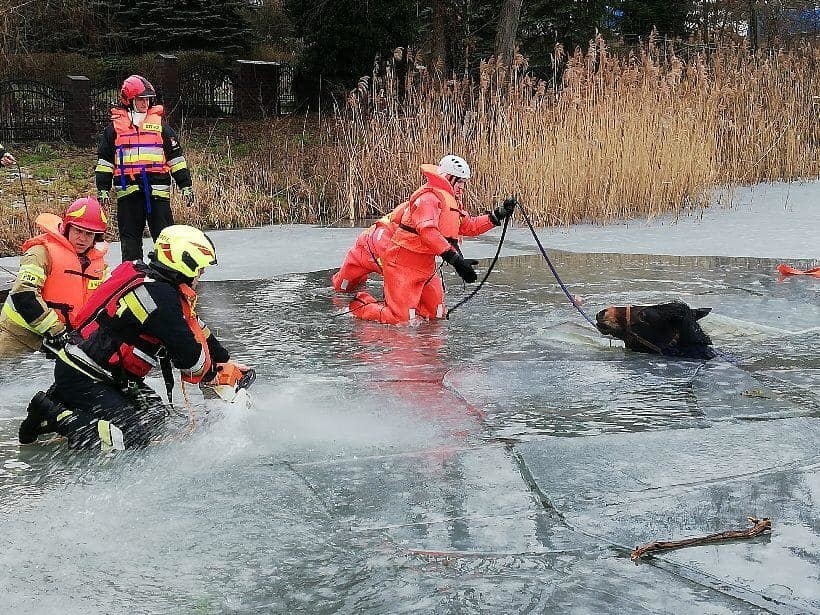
380,469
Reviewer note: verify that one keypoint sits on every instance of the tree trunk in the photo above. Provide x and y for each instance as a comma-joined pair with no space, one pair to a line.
507,29
438,44
753,25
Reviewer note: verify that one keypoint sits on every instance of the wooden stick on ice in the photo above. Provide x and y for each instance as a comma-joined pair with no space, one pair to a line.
759,526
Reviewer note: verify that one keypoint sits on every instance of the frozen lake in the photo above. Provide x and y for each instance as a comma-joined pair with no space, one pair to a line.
505,461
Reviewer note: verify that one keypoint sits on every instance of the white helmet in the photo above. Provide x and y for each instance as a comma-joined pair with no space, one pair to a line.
453,165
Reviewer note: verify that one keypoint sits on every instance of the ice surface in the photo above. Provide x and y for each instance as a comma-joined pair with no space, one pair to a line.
503,461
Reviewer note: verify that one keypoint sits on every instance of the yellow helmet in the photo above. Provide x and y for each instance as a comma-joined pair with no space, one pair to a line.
184,250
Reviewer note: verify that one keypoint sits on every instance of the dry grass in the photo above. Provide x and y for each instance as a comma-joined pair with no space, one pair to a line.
621,138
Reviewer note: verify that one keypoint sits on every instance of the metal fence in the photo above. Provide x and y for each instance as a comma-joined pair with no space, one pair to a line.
32,110
287,99
205,91
104,95
80,109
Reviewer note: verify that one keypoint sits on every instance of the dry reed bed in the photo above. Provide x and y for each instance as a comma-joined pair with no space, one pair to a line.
622,137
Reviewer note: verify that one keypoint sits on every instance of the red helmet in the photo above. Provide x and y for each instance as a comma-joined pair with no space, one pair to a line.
86,213
135,87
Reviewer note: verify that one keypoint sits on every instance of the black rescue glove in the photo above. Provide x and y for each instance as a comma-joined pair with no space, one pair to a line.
463,268
54,343
505,210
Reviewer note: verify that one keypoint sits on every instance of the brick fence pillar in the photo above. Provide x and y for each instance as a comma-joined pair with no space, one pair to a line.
168,78
78,109
256,93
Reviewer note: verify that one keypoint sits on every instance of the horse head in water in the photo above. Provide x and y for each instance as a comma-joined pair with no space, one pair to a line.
669,329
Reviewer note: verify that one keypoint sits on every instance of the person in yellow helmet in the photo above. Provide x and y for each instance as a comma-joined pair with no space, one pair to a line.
142,312
59,270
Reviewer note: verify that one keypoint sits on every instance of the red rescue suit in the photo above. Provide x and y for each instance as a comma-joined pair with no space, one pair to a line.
364,257
434,222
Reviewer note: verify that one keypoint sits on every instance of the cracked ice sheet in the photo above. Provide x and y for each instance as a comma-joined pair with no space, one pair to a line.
632,392
470,537
676,484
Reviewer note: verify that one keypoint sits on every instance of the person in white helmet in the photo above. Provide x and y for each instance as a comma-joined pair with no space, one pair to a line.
432,224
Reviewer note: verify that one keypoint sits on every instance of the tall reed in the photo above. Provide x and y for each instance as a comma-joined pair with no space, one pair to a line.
617,138
611,138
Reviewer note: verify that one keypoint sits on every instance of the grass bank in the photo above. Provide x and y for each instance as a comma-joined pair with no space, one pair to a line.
622,137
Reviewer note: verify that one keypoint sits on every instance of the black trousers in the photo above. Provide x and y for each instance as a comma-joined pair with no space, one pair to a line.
135,409
131,219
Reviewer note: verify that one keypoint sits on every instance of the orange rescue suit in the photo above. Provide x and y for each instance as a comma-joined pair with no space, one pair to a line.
364,257
433,223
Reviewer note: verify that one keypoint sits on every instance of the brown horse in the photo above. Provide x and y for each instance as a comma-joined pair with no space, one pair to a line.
669,329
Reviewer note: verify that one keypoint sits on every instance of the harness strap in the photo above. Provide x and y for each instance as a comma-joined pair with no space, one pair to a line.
633,335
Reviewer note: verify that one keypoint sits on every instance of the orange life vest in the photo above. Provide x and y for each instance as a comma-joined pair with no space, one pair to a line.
449,221
68,285
138,148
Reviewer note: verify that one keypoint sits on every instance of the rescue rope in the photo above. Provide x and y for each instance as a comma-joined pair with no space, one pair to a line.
25,204
552,268
489,270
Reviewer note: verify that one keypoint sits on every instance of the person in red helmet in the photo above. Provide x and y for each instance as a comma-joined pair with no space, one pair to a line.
432,224
59,270
139,154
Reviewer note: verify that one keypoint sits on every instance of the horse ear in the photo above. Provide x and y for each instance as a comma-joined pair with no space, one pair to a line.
699,313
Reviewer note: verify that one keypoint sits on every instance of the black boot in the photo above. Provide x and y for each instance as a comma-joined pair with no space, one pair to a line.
131,249
40,418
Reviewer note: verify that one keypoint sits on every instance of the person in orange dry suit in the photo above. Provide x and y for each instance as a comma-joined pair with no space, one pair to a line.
364,257
433,223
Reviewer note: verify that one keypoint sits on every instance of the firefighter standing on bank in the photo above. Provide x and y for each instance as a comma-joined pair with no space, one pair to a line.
139,153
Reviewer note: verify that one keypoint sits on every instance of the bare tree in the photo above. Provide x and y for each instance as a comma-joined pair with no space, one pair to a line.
507,31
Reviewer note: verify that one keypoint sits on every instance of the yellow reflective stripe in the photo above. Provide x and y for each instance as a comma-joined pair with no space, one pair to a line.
121,307
63,415
63,355
32,273
104,431
103,166
180,165
48,320
128,190
136,188
134,306
143,157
